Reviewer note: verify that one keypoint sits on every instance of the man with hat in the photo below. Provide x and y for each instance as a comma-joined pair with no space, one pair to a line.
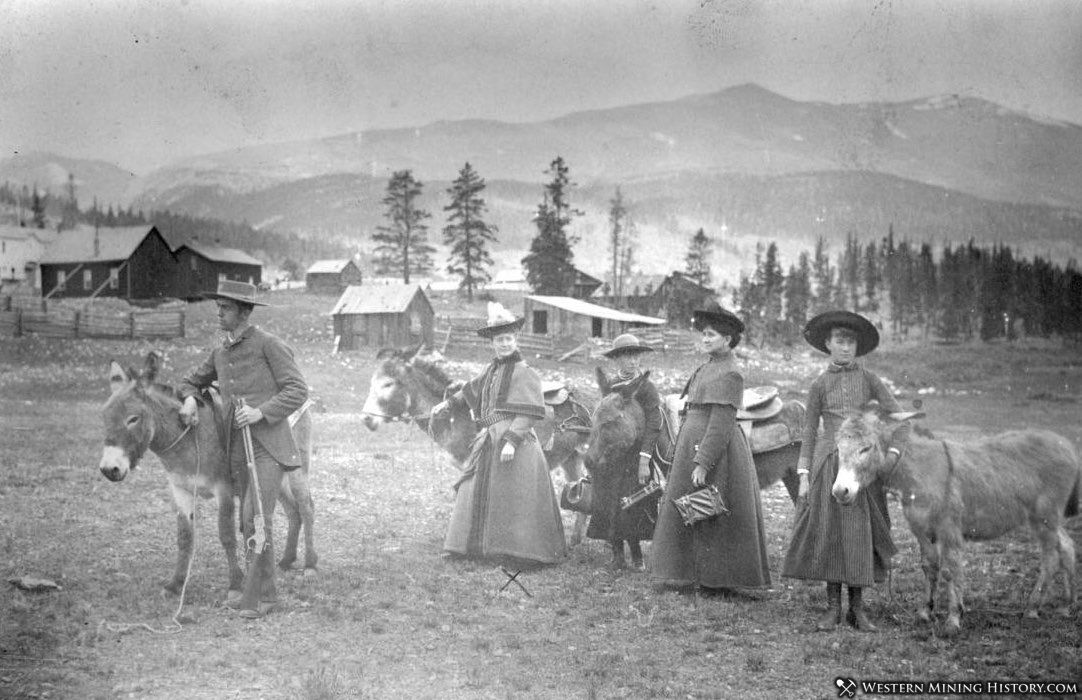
848,544
623,474
261,384
504,506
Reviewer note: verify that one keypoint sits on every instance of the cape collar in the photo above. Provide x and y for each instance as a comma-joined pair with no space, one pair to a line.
510,359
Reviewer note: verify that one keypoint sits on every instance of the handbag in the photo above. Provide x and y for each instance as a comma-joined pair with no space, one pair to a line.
578,496
704,504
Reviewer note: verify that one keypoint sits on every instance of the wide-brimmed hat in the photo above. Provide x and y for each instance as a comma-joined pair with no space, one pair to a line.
235,290
500,320
817,331
724,322
760,403
627,344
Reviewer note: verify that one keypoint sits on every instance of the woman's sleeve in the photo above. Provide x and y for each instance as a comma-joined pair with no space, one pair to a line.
470,393
650,401
900,437
715,441
811,426
518,430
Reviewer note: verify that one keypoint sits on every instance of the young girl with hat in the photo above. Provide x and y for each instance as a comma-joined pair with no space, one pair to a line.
504,503
728,551
839,544
626,473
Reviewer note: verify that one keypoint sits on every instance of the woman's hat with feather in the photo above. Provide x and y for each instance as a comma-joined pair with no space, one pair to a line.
500,320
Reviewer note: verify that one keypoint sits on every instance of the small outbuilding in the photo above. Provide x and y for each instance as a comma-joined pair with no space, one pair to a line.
383,316
332,276
200,267
564,317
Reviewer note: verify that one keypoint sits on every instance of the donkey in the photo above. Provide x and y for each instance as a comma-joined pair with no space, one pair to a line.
405,387
141,414
951,492
770,465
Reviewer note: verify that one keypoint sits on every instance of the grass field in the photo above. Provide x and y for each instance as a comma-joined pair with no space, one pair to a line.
387,617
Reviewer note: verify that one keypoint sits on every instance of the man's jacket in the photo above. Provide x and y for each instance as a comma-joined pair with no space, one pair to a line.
259,368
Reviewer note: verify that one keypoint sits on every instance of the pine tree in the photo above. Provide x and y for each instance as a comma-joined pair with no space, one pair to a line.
798,295
549,268
697,260
850,268
69,215
37,208
467,233
824,278
770,279
402,242
873,277
617,240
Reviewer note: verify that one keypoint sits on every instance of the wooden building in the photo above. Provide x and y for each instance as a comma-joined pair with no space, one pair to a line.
677,296
21,250
567,317
200,267
383,316
332,276
132,262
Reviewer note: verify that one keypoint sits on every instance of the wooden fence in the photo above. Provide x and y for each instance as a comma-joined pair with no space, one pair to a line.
91,323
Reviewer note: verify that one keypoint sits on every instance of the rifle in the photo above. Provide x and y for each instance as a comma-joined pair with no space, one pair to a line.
258,541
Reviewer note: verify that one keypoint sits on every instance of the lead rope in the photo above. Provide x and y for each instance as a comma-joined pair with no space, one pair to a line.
120,628
193,520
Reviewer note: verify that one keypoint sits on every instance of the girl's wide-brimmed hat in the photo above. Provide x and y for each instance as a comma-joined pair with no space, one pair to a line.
817,331
721,320
500,320
626,344
235,290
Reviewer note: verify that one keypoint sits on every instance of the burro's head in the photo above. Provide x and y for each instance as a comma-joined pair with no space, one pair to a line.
127,418
863,440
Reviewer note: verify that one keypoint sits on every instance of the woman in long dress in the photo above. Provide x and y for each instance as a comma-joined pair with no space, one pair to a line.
505,506
623,474
728,551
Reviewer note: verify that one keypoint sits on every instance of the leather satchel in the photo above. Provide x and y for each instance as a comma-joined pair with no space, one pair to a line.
578,496
704,504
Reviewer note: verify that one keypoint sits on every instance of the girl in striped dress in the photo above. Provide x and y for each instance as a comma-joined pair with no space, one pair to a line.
839,544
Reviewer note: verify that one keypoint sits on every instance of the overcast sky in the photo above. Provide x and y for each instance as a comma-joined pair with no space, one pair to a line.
144,83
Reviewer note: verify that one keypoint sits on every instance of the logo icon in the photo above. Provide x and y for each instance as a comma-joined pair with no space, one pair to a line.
847,687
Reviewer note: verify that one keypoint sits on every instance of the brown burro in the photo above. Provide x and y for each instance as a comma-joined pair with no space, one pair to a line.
143,414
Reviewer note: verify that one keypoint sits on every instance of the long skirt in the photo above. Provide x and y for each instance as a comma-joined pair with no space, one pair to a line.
728,551
506,510
610,522
838,543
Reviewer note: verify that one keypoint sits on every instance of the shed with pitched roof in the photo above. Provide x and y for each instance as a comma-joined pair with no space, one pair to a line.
382,316
332,276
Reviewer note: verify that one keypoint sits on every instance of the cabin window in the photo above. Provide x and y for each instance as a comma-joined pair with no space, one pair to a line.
251,280
222,277
415,323
114,277
88,279
61,279
596,327
541,322
193,263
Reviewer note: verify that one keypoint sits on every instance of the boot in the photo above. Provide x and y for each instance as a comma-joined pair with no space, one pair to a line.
636,555
856,616
833,616
617,555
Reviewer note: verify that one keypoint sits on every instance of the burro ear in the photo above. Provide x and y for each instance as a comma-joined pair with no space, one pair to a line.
899,416
118,377
151,364
602,381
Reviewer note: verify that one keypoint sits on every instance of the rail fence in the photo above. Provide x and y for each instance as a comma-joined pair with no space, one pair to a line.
21,315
